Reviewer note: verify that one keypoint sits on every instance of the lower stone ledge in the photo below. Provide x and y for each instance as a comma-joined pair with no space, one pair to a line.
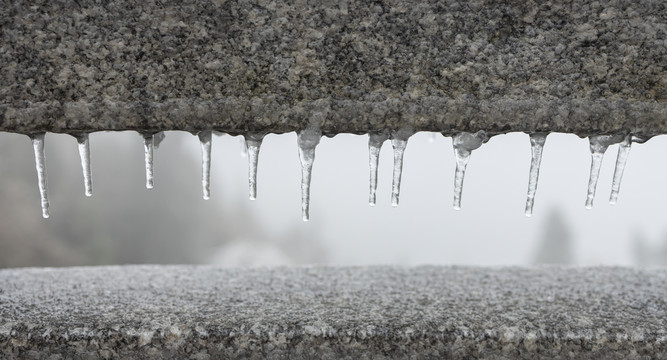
203,312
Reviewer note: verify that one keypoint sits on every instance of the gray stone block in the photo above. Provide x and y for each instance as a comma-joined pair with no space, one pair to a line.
583,67
203,312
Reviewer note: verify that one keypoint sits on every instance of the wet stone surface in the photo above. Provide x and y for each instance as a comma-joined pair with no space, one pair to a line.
583,67
205,312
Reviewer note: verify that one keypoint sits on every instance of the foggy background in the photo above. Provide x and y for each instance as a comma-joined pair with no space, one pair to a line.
124,223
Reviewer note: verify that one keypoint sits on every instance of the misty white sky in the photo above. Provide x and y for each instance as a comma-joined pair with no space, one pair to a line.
489,230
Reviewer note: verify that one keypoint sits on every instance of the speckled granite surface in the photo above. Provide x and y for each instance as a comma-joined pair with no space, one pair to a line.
331,313
584,67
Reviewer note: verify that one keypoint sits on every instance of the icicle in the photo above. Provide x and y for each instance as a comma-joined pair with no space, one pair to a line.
537,141
253,143
307,141
244,146
399,140
375,142
40,165
596,163
148,159
84,154
621,160
598,146
464,143
205,140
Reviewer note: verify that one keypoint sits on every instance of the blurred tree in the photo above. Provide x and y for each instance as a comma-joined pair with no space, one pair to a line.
556,245
646,254
640,249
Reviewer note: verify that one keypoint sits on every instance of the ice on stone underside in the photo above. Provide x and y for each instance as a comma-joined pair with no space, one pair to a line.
464,143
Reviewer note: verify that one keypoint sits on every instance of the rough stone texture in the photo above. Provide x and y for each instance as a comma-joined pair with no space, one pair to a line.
203,312
584,67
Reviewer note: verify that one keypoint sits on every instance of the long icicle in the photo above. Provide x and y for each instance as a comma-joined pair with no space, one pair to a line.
399,141
598,146
537,141
462,158
148,159
375,141
205,139
596,163
621,160
307,141
464,143
40,165
84,155
399,149
253,143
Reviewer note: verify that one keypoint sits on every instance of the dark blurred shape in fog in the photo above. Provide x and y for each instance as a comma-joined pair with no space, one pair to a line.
555,246
647,254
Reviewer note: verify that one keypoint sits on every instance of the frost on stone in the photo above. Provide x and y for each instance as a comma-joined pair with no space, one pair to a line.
399,141
375,141
84,155
307,141
40,164
205,140
464,143
253,143
598,146
537,141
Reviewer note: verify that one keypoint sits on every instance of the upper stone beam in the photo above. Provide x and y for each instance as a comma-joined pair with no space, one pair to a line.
583,67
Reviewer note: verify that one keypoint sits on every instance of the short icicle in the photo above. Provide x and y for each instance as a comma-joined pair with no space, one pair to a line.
148,159
464,143
84,154
307,141
244,146
40,165
598,146
158,137
375,141
399,141
537,141
205,139
253,143
621,160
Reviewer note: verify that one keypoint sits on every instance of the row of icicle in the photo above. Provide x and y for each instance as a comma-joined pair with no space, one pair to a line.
464,143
